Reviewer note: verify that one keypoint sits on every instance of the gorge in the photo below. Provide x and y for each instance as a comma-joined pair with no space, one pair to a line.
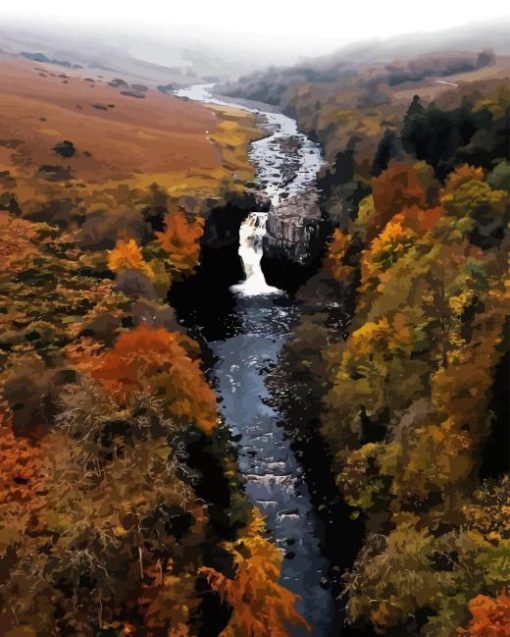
245,325
254,354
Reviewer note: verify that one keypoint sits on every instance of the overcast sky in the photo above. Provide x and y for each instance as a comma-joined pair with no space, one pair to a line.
314,26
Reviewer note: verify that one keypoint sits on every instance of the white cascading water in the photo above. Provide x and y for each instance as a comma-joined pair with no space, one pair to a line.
251,236
270,160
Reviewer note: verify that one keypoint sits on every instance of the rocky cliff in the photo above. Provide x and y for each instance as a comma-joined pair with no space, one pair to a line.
295,229
293,245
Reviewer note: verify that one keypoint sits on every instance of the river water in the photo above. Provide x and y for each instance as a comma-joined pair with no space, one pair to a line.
256,328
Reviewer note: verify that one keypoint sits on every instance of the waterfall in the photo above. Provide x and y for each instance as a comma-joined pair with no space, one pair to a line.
251,234
287,164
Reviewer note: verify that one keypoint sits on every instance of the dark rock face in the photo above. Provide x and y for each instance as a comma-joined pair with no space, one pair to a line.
145,312
222,222
295,230
295,239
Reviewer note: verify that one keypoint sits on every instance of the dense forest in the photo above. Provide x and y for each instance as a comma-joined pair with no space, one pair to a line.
110,440
123,510
410,392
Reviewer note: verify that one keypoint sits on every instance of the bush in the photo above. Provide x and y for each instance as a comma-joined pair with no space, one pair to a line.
103,228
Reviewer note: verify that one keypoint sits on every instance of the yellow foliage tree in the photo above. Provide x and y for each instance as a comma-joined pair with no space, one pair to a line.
261,607
127,255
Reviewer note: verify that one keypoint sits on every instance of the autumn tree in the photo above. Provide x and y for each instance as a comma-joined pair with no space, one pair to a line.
261,606
181,239
491,616
337,254
161,360
480,211
127,255
396,188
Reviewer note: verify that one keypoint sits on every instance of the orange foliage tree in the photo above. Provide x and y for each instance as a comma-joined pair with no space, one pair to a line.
491,617
396,188
261,607
336,255
159,359
181,239
23,490
127,255
463,174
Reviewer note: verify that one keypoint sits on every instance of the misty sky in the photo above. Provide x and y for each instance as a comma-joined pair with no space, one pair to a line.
291,28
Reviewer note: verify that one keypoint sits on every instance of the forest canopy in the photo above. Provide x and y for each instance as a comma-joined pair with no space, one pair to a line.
413,396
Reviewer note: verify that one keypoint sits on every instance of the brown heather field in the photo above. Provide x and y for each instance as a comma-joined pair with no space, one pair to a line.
118,139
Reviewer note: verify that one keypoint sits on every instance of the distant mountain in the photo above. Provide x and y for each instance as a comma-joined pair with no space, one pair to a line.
176,61
397,60
495,35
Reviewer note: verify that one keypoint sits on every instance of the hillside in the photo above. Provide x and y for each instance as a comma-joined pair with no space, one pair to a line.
393,61
139,53
66,137
110,433
178,61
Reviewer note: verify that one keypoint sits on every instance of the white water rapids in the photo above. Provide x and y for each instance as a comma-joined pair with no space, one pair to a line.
271,161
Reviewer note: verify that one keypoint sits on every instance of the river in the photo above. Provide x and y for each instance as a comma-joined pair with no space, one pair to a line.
252,333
